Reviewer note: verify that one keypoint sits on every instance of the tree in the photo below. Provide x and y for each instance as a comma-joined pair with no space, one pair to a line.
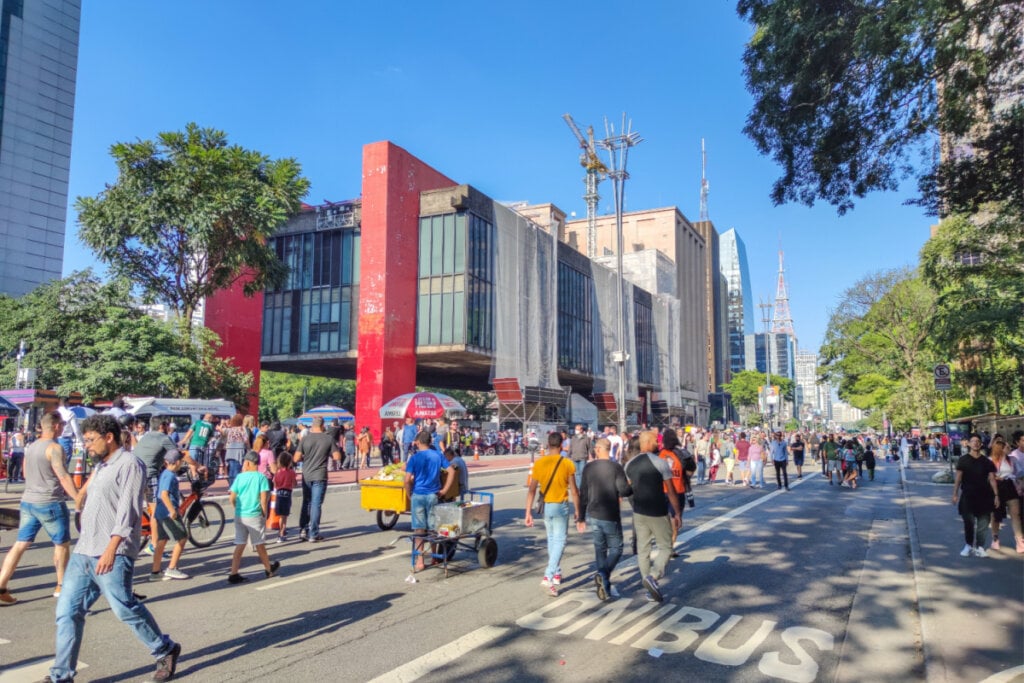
745,385
281,394
190,215
848,92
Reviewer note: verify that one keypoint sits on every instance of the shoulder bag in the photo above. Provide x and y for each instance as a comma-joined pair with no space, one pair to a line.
538,505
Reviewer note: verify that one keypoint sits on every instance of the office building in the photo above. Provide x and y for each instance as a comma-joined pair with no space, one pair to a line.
739,299
38,64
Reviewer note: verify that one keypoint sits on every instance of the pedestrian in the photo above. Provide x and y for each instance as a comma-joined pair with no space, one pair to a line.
714,458
728,449
423,486
348,437
313,452
197,439
814,443
756,456
236,444
830,456
15,464
284,484
43,504
408,435
364,442
796,449
604,486
1007,471
702,449
558,475
250,494
617,443
671,452
388,447
869,459
580,447
69,434
167,522
976,494
104,557
780,460
743,458
652,517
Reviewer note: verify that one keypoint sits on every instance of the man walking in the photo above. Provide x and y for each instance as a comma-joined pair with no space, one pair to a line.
197,437
407,437
780,459
579,452
648,474
556,477
103,559
604,484
69,434
423,485
42,505
314,451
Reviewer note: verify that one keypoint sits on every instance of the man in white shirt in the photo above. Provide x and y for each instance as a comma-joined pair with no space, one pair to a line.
70,434
616,443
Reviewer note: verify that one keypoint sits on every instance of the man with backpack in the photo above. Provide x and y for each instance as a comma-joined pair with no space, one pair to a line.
682,467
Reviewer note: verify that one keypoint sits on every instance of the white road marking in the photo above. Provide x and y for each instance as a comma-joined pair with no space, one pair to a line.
4,641
442,656
31,672
1005,676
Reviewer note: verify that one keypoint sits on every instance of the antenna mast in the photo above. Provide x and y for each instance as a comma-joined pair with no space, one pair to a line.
703,182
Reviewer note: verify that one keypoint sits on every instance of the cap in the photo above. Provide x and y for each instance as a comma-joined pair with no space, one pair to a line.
172,456
253,457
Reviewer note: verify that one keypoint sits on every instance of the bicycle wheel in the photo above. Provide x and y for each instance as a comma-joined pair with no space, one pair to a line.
204,523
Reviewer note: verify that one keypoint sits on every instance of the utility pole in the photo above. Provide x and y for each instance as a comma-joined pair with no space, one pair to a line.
618,153
766,318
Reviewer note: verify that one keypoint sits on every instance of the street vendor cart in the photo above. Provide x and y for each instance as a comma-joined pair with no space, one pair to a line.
465,525
387,497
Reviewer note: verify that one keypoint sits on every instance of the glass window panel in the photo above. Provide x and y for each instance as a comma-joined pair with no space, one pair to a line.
460,243
345,326
334,339
356,238
459,319
424,269
446,318
435,319
423,320
448,258
436,246
346,257
304,323
286,331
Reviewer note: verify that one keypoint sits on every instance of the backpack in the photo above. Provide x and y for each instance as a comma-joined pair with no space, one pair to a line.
688,462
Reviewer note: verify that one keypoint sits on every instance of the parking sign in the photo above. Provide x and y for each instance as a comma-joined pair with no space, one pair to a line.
943,381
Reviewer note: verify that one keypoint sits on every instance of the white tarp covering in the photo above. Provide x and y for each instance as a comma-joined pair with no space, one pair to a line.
665,311
604,316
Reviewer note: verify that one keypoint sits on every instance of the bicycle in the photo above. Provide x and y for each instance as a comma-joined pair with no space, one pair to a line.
203,519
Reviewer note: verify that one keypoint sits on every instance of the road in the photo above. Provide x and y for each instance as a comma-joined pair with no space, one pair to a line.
817,583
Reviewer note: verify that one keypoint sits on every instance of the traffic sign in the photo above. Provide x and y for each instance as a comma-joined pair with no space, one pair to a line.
943,381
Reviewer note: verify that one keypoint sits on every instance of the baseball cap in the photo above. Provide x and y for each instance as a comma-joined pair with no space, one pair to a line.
172,456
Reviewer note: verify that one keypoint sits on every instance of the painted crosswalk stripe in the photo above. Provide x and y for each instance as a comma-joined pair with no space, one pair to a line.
442,656
31,672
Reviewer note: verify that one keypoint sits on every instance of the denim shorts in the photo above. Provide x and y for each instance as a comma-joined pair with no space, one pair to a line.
50,516
422,506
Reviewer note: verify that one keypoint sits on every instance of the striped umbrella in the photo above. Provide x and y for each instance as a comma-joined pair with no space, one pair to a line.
328,412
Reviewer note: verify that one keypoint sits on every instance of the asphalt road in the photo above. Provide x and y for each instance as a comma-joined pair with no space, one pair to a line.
817,583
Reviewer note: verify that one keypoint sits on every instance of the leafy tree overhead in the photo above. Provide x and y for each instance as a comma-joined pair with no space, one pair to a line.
847,93
744,387
190,214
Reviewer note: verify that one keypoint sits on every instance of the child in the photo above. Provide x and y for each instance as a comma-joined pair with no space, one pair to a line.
166,522
250,494
284,482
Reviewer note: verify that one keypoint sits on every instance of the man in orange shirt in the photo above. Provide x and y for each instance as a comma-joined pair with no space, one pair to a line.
669,444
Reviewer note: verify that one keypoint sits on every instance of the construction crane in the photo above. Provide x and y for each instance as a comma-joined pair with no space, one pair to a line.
596,172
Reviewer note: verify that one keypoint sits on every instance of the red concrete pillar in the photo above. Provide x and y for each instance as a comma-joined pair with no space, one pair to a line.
238,320
388,260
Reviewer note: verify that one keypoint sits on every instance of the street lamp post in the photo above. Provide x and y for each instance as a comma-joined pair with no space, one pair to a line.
618,153
765,308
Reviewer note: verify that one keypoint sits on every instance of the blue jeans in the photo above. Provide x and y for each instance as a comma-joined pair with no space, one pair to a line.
53,517
82,587
312,501
580,464
702,467
556,525
607,538
234,469
422,507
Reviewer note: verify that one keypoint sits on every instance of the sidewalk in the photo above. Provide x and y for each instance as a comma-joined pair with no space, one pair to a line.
335,480
970,607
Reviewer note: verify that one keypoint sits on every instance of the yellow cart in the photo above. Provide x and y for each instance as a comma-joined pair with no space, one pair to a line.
387,498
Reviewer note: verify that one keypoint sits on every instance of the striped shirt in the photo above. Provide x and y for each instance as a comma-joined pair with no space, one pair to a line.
113,506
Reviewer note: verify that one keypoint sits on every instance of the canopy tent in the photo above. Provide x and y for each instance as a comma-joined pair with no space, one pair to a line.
421,405
8,409
328,412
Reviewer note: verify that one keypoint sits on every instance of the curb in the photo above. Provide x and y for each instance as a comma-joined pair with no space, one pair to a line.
933,669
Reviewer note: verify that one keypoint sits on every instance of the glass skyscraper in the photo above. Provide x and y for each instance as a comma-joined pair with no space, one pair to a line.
38,66
739,301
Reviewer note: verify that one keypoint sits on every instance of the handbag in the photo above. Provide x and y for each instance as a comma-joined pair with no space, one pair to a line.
538,505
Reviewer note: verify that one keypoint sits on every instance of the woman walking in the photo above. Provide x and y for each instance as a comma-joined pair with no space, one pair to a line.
976,495
756,457
1009,499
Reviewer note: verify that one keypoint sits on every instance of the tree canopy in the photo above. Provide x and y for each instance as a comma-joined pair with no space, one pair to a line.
190,214
745,385
849,95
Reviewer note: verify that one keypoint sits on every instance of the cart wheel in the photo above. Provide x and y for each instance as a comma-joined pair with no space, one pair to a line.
489,451
449,548
488,552
386,519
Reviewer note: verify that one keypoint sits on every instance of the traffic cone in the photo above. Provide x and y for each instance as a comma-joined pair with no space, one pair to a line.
476,454
78,476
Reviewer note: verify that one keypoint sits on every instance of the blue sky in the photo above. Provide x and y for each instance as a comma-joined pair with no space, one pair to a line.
477,90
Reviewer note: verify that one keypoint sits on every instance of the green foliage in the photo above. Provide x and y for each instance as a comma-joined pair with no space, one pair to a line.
792,424
744,387
82,335
189,215
845,92
281,394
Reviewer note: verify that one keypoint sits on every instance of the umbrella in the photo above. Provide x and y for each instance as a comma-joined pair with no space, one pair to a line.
328,413
81,412
422,404
7,408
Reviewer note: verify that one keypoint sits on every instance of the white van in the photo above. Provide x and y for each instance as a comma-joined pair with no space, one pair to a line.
183,412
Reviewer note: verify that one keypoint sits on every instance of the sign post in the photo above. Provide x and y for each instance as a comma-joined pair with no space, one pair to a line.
943,383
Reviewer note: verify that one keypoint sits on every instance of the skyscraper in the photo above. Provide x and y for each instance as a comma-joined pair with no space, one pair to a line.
740,300
38,66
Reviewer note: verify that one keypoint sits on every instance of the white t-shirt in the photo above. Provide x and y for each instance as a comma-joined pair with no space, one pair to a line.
616,446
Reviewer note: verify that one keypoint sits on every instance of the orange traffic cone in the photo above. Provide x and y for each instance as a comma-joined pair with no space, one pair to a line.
476,453
78,476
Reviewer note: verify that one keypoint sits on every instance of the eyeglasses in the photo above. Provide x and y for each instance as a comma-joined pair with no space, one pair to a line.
88,440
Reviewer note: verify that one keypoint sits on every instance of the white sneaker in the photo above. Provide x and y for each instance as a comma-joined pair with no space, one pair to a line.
174,574
614,592
147,550
966,552
980,552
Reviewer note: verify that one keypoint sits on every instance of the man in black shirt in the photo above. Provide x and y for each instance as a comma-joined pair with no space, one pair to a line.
648,474
604,483
314,451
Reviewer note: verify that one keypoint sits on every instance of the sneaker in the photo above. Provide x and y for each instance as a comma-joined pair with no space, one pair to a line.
274,566
175,574
614,592
966,552
602,593
317,539
648,598
553,591
155,576
651,584
236,578
995,544
279,539
546,582
148,550
303,535
557,580
980,552
165,665
56,591
6,598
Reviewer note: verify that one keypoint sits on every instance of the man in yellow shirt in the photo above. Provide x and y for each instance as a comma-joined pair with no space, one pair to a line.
556,478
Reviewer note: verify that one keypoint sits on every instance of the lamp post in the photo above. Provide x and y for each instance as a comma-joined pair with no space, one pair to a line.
765,308
618,153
